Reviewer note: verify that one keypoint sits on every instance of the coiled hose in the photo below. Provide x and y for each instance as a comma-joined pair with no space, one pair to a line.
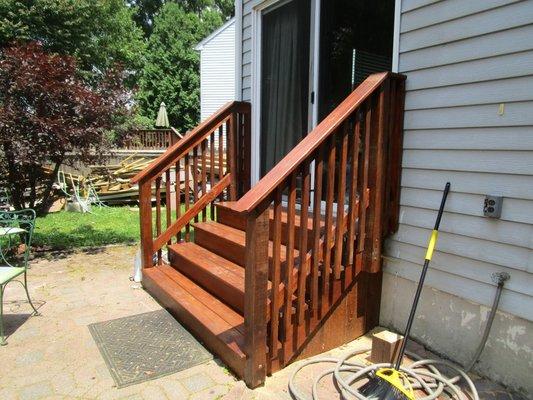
423,375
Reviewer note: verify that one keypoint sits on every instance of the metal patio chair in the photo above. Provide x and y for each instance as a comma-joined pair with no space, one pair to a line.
16,228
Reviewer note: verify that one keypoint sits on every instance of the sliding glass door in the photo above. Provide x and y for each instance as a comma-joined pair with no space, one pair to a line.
285,62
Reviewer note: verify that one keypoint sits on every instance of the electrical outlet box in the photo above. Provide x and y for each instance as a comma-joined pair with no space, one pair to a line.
492,206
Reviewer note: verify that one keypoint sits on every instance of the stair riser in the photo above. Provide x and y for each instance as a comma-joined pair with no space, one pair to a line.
229,217
231,251
213,283
219,245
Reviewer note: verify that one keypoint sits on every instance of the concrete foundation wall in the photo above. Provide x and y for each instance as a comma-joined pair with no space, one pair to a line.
453,326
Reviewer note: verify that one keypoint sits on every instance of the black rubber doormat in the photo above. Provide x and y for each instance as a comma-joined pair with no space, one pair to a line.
146,346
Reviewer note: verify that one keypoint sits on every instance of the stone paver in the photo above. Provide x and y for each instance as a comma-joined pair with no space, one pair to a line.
54,356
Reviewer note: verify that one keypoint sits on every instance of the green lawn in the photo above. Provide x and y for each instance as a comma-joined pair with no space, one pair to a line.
68,230
110,225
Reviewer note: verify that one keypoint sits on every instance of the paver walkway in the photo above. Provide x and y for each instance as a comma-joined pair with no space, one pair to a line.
54,356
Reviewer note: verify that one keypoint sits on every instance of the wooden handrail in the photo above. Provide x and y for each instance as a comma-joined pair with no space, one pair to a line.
354,155
202,167
189,141
265,187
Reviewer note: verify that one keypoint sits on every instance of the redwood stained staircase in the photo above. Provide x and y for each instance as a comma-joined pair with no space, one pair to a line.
292,266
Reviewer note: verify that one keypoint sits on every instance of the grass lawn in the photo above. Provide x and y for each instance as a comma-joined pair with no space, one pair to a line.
68,230
109,225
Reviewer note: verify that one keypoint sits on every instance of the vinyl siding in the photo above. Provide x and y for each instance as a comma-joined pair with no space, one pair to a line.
217,71
247,50
462,60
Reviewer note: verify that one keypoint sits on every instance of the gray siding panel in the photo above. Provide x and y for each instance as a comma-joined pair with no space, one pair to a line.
488,92
494,20
516,114
471,269
443,11
515,138
515,186
495,161
502,254
468,120
246,50
493,44
513,210
486,69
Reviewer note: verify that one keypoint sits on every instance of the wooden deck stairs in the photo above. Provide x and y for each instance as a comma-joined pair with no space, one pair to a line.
290,267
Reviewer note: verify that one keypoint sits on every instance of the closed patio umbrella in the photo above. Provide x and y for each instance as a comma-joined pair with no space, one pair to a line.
162,117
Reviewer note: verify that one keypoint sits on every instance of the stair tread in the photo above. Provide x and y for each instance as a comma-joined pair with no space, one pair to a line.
215,317
284,214
238,237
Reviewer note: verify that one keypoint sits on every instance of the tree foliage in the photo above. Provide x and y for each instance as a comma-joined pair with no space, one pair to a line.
98,33
171,71
47,111
146,10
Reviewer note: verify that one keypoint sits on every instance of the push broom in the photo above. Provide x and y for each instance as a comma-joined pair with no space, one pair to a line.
392,383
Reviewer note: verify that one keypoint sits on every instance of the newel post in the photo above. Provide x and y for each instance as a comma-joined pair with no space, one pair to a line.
255,297
145,214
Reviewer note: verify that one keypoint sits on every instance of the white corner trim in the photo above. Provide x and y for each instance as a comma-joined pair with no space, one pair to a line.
238,49
396,38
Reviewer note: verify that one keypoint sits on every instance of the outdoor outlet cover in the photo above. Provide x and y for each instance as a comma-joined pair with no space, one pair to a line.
492,206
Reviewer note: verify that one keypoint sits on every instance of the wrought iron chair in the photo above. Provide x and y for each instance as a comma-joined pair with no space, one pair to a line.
16,227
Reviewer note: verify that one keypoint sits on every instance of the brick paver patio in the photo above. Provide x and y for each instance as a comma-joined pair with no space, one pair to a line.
54,356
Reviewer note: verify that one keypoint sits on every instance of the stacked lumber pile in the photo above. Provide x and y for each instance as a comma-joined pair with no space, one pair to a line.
112,182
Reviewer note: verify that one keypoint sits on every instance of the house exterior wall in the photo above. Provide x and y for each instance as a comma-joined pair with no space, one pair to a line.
468,120
246,48
217,71
463,60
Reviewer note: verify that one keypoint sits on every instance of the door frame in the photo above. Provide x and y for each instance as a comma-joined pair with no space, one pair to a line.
258,7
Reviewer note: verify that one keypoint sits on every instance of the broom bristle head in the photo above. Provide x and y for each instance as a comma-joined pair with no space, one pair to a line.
379,389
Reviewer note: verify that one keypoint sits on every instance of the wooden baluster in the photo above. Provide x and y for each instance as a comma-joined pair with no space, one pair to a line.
168,206
158,213
363,197
220,157
145,215
204,176
341,192
195,177
289,266
178,196
247,148
328,236
231,132
212,169
371,186
187,198
275,276
317,217
255,297
353,200
304,217
379,197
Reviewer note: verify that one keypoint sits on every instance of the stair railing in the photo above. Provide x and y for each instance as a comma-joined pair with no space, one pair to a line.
210,163
344,178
